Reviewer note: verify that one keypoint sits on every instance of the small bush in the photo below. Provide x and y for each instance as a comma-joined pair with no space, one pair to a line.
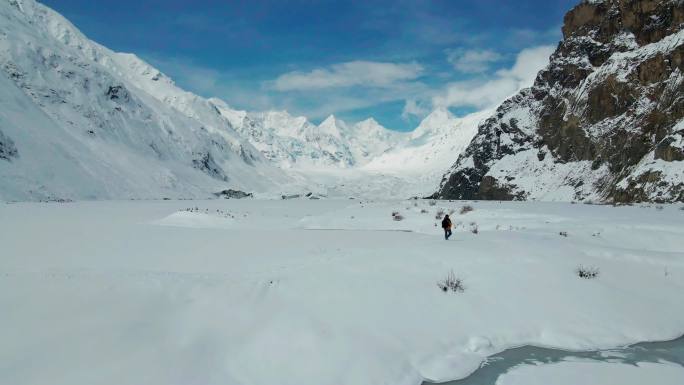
451,283
398,217
659,208
563,233
432,203
587,272
466,209
440,214
218,213
474,230
395,213
423,211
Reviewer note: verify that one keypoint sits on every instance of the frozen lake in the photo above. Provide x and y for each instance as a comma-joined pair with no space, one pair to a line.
331,291
671,352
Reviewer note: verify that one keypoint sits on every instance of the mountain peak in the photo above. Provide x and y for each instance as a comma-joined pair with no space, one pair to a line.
436,122
332,126
370,121
330,120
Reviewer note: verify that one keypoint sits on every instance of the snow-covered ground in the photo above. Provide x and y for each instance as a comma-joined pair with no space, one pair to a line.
326,291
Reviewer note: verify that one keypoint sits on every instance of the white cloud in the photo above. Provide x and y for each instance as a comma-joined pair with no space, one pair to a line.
353,73
414,108
472,61
187,74
490,92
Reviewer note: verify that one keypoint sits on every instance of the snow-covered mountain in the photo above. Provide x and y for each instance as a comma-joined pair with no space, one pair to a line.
604,121
295,142
80,121
425,153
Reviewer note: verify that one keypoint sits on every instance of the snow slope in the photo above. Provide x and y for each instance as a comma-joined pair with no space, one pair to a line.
322,292
295,142
397,166
430,149
85,122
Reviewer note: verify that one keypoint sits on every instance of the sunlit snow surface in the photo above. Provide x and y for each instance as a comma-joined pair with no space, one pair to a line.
324,292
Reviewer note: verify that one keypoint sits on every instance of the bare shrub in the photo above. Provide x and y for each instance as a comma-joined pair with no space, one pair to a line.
466,209
451,282
563,233
396,216
440,214
473,228
432,203
587,272
218,212
395,213
423,211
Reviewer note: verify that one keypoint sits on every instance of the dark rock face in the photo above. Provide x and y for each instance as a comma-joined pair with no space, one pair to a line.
206,163
7,148
603,121
233,194
117,93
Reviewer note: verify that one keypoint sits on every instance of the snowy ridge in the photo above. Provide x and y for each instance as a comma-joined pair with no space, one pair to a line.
85,122
109,125
431,148
295,142
602,122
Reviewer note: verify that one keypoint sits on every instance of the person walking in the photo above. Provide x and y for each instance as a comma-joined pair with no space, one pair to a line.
446,225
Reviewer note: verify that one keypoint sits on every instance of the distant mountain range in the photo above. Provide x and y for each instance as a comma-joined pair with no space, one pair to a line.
603,121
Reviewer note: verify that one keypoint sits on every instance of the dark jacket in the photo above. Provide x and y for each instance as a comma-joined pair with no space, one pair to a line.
446,223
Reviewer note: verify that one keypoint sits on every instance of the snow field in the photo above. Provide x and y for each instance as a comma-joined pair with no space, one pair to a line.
322,292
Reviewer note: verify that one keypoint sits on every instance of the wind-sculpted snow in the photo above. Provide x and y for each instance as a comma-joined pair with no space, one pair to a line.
324,292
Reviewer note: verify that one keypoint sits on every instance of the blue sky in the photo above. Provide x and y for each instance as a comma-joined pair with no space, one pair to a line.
392,60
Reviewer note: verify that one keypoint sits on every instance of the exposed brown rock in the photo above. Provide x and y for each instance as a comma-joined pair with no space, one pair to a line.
594,102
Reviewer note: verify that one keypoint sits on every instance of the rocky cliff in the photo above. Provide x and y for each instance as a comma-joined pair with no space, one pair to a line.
603,121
